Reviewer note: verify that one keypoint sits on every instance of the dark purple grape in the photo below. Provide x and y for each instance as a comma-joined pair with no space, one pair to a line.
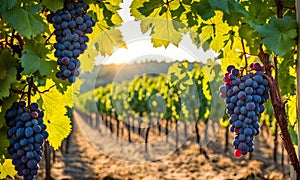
57,53
65,60
79,20
71,66
83,47
25,117
66,73
82,27
67,17
89,23
76,52
71,79
34,106
56,19
76,45
49,18
59,75
64,25
229,68
75,73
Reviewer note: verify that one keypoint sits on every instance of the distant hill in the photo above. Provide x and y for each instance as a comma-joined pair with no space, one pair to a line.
105,74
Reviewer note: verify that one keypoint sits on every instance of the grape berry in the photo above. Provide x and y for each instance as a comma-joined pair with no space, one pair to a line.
244,96
71,26
27,133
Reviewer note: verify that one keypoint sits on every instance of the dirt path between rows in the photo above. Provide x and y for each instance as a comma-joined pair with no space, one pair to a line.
85,161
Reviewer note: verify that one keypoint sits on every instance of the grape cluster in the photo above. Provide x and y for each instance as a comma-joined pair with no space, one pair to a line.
27,135
71,26
244,96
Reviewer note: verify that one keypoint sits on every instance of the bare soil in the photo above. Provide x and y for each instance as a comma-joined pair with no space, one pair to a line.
88,158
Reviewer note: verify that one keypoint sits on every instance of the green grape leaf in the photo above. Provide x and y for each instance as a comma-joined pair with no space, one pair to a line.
29,25
7,169
7,5
4,143
6,83
259,12
251,36
286,74
237,8
7,62
203,9
222,5
149,7
58,125
294,135
279,35
228,6
34,58
107,15
177,12
187,2
191,19
33,8
53,5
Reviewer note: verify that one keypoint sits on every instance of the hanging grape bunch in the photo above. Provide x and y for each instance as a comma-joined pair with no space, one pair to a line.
244,96
71,26
27,133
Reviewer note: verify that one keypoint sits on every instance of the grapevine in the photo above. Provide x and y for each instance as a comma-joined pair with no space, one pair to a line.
244,96
264,29
29,69
71,24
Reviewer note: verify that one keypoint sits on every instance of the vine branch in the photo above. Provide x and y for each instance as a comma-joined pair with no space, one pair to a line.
280,112
279,8
276,78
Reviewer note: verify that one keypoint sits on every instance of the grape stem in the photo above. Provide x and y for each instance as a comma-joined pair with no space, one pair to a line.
279,110
12,38
293,8
42,92
29,89
21,91
47,40
245,56
10,43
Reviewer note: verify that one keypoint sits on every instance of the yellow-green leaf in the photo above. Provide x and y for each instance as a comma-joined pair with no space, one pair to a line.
54,105
7,169
107,40
162,31
292,112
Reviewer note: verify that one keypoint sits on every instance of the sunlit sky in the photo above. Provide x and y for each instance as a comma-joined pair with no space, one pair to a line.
140,48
